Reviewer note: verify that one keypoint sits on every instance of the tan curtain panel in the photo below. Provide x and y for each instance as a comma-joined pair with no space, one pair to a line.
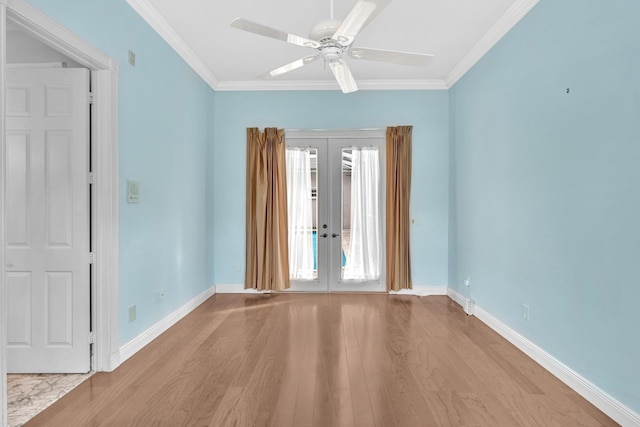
267,259
398,195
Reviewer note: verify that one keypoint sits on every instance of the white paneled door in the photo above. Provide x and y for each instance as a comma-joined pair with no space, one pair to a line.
47,220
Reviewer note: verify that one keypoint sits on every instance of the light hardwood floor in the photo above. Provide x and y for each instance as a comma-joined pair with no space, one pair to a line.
325,360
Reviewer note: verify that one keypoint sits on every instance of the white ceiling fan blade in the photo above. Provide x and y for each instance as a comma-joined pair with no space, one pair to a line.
393,56
263,30
289,67
361,14
343,75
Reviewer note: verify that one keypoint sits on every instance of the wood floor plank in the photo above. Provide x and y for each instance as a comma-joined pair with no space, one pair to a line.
377,368
362,410
388,364
325,360
306,386
259,399
333,404
436,378
293,355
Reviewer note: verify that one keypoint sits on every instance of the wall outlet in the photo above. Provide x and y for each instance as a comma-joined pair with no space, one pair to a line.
132,58
159,296
525,311
132,313
238,268
467,282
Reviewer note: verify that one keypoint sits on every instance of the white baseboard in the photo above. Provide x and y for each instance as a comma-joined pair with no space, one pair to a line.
417,290
235,289
136,344
114,360
422,291
467,304
599,398
456,296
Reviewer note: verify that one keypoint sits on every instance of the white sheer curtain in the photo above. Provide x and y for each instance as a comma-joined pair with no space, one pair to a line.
363,260
299,213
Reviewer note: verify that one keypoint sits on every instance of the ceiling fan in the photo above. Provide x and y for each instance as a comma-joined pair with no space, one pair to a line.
331,39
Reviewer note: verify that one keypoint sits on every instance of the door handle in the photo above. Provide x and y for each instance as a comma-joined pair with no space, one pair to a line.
323,235
335,235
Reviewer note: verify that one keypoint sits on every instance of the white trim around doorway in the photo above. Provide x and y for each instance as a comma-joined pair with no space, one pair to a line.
3,290
104,75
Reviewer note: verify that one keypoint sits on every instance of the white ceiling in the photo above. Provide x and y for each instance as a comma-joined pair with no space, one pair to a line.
457,32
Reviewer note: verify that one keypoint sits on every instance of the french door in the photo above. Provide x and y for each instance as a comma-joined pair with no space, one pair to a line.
335,186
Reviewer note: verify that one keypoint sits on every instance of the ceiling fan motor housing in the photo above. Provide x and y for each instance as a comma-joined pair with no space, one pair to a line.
331,50
323,31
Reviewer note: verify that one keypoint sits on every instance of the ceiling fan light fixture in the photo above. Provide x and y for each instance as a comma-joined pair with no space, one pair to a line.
331,53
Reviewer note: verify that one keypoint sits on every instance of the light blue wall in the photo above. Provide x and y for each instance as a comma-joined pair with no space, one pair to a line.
164,134
547,183
428,112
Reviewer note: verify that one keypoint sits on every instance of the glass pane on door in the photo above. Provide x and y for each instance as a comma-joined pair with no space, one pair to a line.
302,209
361,229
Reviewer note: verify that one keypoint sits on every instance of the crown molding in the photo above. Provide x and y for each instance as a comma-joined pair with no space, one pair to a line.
271,85
403,84
506,22
510,18
162,27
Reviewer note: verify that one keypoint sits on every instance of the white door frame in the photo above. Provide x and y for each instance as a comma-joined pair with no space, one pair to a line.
104,161
342,134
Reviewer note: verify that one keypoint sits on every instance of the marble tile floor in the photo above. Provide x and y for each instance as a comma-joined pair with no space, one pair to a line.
30,394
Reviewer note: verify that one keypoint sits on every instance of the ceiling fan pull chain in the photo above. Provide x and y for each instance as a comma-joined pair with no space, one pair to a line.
331,9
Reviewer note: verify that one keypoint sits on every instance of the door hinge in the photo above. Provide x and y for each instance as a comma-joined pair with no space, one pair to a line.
92,258
91,178
92,98
92,337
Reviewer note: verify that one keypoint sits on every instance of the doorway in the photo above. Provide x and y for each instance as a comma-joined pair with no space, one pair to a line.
104,220
335,197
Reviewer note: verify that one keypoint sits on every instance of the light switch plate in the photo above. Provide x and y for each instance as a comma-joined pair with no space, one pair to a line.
133,191
132,313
